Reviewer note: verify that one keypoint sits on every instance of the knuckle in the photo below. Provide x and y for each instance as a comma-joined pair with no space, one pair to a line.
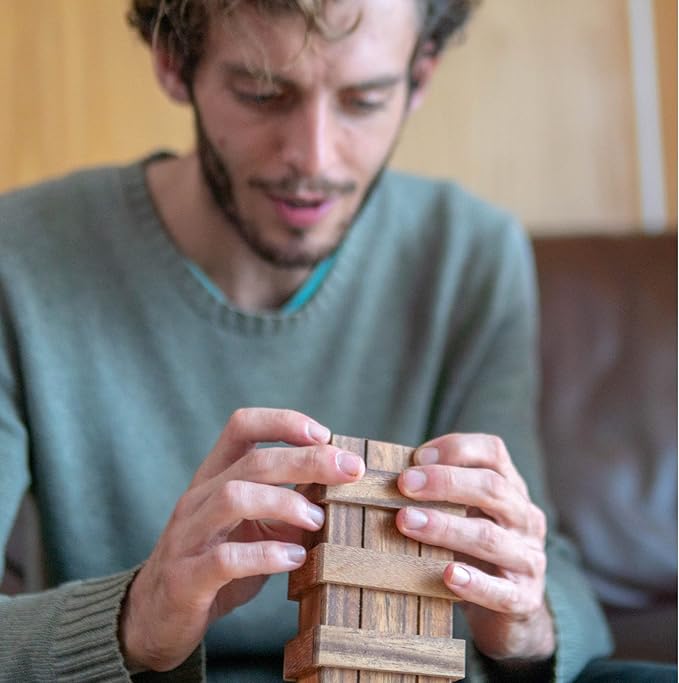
294,502
259,557
448,478
497,447
238,418
444,526
256,554
182,508
495,485
538,564
509,601
233,491
488,537
465,447
311,458
262,461
539,522
224,558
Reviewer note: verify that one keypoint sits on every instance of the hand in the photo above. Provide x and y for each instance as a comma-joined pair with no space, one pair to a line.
499,546
229,531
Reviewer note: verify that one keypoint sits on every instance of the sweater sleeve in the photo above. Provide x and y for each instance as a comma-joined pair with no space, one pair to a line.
501,398
68,633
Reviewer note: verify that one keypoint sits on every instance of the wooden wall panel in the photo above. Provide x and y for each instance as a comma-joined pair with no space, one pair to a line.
534,111
77,89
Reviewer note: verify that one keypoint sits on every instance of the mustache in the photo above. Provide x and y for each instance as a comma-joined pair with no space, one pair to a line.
298,185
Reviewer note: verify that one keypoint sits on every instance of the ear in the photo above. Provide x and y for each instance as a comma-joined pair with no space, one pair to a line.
168,74
422,70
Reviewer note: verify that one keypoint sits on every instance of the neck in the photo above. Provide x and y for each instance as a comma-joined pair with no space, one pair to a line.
203,234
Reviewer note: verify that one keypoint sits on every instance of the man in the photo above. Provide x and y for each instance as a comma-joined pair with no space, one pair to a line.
276,265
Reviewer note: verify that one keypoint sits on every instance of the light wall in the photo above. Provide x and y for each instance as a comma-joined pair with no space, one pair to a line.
535,109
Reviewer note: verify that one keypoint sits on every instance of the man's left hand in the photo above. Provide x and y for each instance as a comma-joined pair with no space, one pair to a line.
500,562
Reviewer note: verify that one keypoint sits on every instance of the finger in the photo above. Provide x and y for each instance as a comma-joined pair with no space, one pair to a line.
228,561
482,488
319,464
235,501
470,450
304,465
478,538
249,426
494,593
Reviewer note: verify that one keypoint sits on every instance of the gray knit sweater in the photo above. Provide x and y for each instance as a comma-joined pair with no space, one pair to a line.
118,369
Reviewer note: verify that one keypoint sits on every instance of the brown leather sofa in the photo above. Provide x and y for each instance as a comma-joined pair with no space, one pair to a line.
609,421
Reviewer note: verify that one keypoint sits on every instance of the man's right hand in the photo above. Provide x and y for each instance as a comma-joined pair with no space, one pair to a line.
231,529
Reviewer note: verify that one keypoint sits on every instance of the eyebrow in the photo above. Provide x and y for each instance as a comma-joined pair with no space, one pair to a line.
256,74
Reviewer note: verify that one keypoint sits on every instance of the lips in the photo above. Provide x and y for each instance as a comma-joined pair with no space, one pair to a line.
302,211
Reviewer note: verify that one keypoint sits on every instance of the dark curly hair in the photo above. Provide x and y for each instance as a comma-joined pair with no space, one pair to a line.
181,25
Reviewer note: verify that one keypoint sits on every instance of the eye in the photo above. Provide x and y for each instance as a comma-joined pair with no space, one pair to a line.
262,99
365,102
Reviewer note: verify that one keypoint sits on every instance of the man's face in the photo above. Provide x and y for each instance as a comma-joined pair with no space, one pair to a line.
290,158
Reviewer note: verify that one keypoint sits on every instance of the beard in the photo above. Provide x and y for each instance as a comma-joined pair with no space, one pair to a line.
296,254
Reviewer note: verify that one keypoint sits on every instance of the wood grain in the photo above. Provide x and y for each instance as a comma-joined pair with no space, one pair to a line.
376,489
436,613
378,654
381,611
343,565
373,606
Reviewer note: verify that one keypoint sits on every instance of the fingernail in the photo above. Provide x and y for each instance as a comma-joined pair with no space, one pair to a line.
460,577
316,515
349,463
415,519
427,456
318,433
414,480
296,554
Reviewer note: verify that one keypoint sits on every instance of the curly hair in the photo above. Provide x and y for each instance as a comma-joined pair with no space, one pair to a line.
181,25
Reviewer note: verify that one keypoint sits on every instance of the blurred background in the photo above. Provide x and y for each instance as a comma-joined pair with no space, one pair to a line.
564,112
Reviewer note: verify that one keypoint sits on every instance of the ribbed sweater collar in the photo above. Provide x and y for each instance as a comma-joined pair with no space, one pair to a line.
149,227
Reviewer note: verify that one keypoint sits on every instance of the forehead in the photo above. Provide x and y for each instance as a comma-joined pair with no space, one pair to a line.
364,37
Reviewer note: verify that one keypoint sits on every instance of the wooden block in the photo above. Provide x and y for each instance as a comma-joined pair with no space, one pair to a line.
376,489
374,652
336,619
343,565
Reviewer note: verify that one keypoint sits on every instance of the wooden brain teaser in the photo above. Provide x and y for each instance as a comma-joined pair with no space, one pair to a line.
373,605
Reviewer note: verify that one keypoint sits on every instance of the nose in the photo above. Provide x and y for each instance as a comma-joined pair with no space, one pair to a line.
309,138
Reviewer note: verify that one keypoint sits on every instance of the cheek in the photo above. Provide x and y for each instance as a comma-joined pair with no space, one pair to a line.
243,153
367,149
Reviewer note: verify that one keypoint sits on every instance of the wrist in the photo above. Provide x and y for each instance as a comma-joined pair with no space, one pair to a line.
532,657
534,640
542,640
513,641
126,639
